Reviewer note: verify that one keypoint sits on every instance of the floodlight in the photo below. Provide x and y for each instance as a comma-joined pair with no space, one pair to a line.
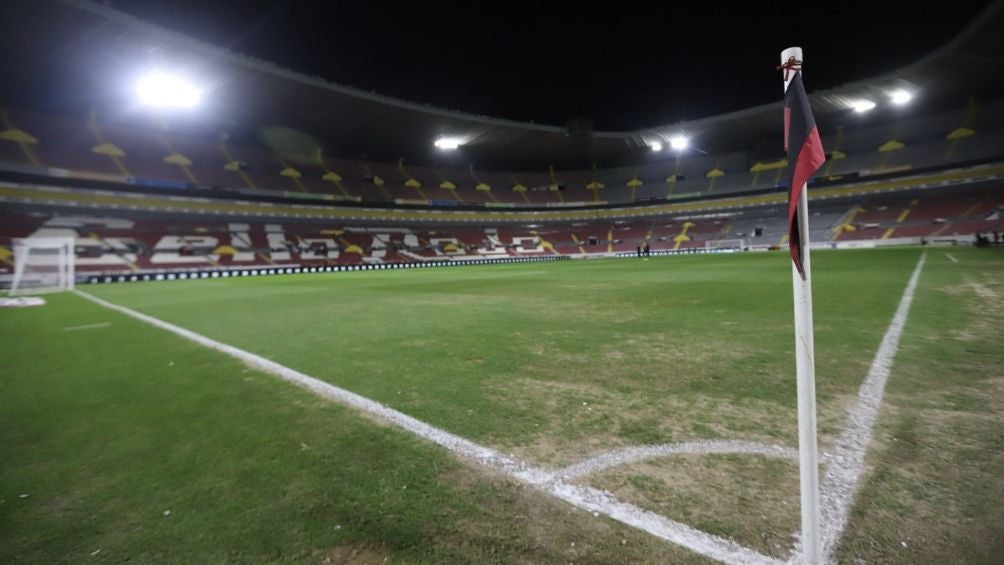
162,90
900,97
862,106
447,143
679,142
656,146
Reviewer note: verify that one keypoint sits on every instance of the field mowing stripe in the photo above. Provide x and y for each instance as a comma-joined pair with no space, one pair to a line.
586,498
847,462
951,258
629,455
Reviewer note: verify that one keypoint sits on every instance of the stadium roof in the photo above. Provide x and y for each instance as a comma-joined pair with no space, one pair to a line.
73,55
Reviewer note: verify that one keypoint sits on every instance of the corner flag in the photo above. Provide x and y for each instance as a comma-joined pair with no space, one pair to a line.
805,155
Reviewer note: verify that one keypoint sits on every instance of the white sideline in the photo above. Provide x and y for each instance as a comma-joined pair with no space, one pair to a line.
628,455
87,327
586,498
848,459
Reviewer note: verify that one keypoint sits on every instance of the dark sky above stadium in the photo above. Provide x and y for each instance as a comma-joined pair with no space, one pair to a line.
622,65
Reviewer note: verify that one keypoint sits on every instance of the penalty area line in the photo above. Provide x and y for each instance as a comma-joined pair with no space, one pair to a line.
586,498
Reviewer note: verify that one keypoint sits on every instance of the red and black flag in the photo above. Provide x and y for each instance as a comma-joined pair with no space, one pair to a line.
805,156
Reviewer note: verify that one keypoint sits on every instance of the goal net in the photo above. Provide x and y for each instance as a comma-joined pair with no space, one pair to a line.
42,264
726,245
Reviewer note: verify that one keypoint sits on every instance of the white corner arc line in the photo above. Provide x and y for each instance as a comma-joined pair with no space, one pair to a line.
586,498
627,455
846,464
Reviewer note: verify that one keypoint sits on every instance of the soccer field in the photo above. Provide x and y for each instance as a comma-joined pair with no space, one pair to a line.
109,423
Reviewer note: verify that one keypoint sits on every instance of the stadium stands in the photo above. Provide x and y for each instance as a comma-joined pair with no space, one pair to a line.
92,147
117,241
236,191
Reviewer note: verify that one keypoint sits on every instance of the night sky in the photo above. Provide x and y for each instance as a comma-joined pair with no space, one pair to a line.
625,66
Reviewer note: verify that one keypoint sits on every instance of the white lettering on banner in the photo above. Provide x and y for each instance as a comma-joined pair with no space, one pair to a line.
439,242
95,251
240,239
379,245
166,250
494,247
310,248
100,249
55,232
277,246
119,254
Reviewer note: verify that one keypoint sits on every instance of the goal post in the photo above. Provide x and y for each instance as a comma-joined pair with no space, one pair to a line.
725,245
42,264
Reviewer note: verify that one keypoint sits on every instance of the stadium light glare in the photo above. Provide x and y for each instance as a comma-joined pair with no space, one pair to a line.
862,106
447,143
163,90
679,142
656,146
900,97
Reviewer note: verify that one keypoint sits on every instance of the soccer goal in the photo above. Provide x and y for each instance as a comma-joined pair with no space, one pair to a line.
42,264
725,245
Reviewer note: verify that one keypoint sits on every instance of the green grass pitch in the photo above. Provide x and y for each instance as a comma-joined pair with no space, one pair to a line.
109,427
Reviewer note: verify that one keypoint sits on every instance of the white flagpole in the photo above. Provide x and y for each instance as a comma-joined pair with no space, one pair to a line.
805,366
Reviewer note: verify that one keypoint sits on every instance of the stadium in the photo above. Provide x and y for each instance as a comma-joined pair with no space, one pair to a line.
252,314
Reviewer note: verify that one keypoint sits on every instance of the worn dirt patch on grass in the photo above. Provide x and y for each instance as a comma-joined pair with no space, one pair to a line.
985,301
356,554
584,419
751,499
930,474
540,529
